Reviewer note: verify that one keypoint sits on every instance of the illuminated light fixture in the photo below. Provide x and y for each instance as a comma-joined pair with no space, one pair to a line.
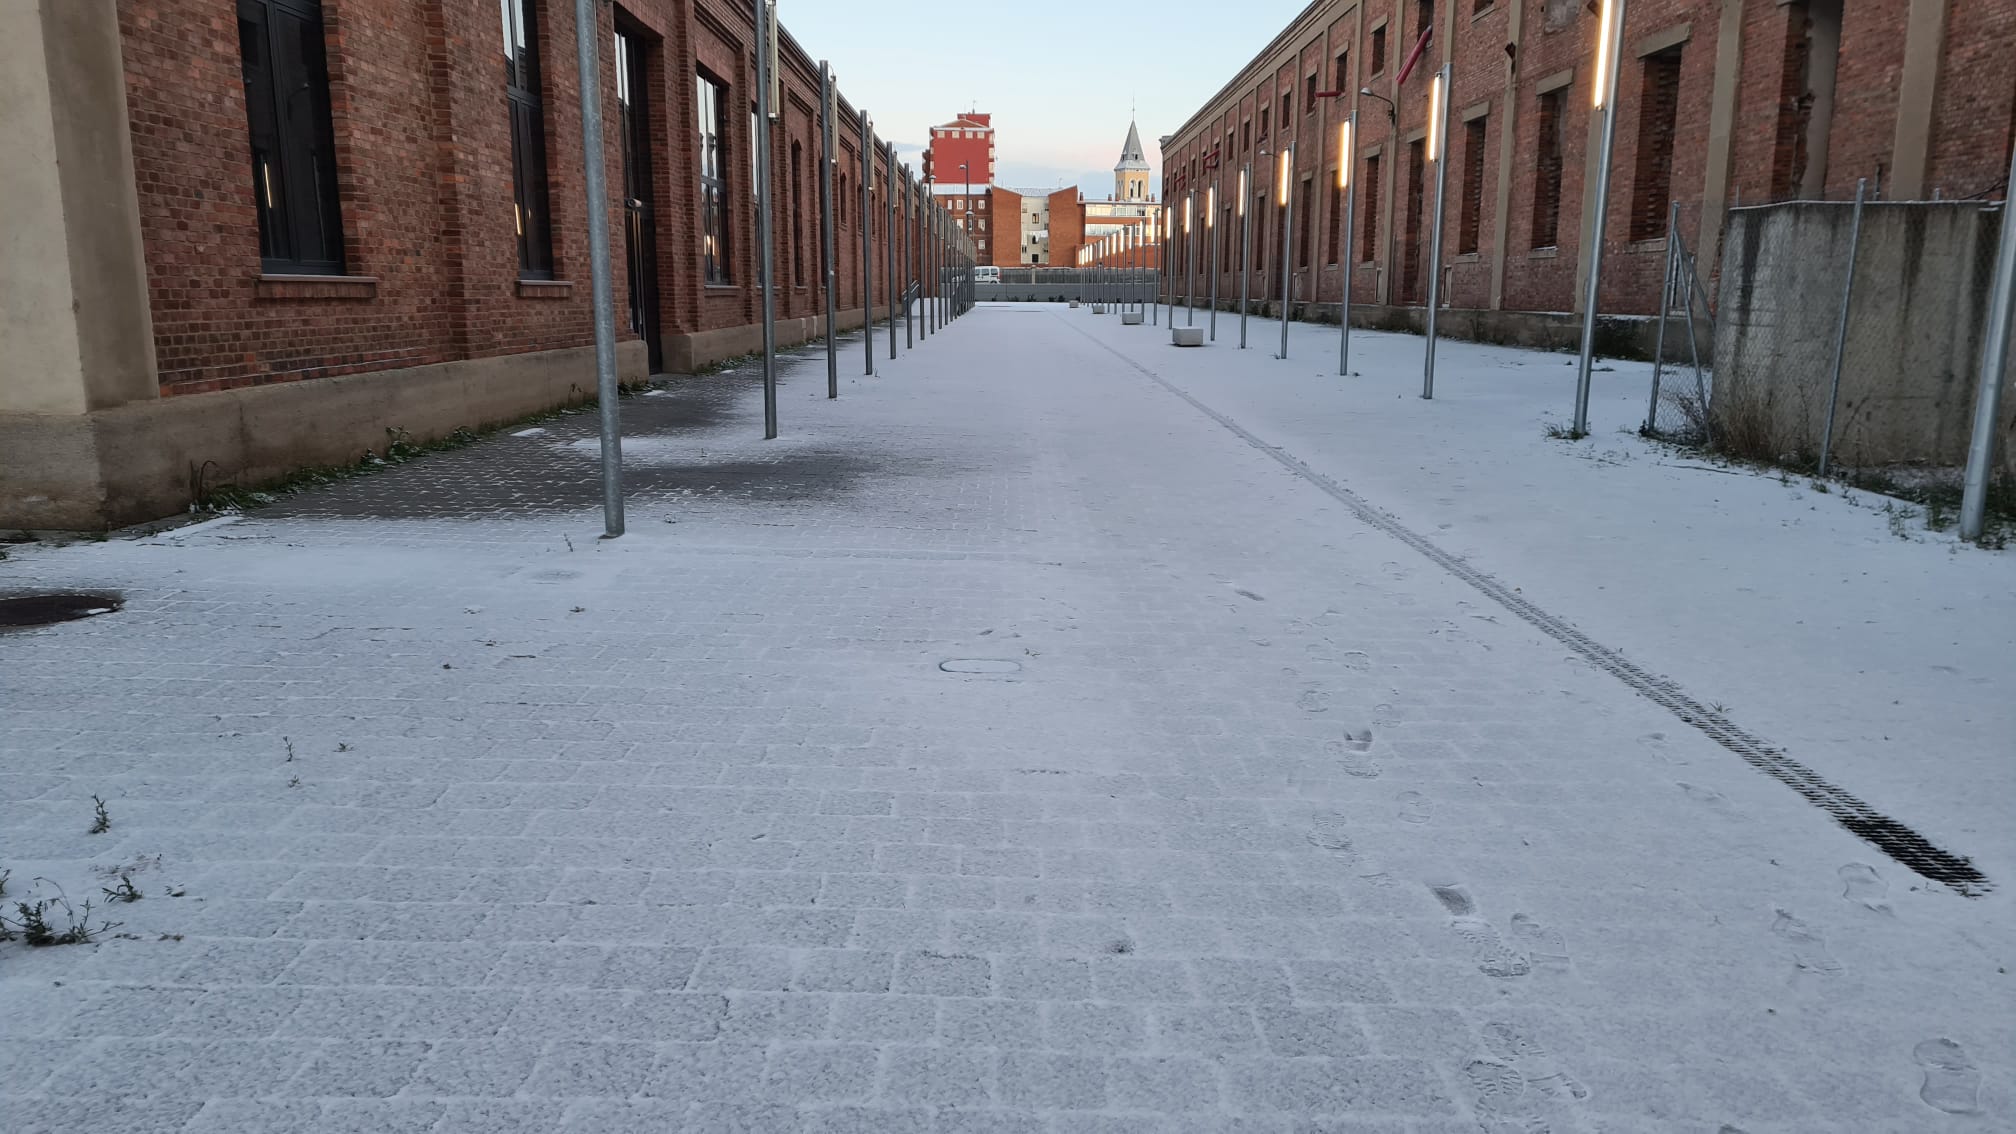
1281,179
1242,192
1344,154
1187,201
1600,88
1435,118
1210,205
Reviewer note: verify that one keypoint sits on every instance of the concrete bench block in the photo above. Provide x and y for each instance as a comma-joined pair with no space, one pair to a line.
1130,318
1074,304
1098,309
1187,336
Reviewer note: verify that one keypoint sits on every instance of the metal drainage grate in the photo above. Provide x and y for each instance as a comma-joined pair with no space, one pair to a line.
23,611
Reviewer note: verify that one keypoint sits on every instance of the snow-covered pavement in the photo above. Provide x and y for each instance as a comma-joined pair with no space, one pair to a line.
1060,732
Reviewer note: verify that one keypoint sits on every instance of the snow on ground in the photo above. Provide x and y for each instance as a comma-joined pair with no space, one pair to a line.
1016,746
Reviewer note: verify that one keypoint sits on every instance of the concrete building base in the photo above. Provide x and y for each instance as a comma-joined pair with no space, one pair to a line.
148,459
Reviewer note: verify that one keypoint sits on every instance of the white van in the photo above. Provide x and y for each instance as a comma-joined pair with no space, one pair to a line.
986,273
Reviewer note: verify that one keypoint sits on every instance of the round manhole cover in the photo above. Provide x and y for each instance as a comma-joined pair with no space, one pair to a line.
21,611
980,665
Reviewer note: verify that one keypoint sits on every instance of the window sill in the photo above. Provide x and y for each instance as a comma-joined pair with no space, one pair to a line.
1466,258
1547,253
269,286
1483,12
1656,244
545,289
721,290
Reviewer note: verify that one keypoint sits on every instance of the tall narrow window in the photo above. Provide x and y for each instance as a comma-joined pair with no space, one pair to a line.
1379,50
1309,94
286,73
711,103
1304,237
1263,122
1658,109
1287,110
1336,215
1341,78
1368,241
1547,169
797,214
1246,135
528,139
1471,221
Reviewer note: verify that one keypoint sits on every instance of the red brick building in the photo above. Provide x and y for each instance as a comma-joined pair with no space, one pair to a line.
245,236
1720,102
961,160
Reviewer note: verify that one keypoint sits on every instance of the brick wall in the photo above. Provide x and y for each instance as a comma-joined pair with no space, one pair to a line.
1505,54
424,175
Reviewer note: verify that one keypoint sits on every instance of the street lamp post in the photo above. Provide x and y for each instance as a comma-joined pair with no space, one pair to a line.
1211,238
1438,152
1285,195
1189,262
1245,248
1609,43
826,205
867,246
1346,136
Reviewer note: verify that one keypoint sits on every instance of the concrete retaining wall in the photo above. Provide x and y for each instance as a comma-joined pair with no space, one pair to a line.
1914,332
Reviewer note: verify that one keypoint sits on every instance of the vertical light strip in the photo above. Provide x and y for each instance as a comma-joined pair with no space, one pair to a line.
1210,205
1242,192
1600,89
1187,200
1344,154
1435,118
1281,179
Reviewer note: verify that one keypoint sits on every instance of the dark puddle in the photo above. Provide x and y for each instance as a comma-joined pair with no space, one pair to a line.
21,612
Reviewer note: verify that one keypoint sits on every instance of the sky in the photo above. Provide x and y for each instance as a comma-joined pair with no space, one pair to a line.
1057,75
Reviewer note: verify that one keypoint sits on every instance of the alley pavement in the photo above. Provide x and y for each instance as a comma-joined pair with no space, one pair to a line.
1023,742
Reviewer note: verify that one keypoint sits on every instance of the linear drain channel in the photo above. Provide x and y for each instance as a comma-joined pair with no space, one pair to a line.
1903,845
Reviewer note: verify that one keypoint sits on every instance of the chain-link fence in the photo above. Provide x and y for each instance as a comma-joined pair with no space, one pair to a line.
1683,338
1846,338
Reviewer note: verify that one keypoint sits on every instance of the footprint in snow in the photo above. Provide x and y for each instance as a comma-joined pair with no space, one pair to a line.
1952,1082
1860,883
1356,659
1314,700
1711,799
1809,948
1542,1070
1350,753
1414,807
1330,831
1385,716
1496,1094
1543,943
1493,956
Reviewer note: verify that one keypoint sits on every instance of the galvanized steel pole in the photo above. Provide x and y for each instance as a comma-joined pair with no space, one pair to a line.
1245,248
766,258
1994,366
1841,324
826,250
1287,198
594,178
1613,47
1440,156
1346,161
867,248
889,240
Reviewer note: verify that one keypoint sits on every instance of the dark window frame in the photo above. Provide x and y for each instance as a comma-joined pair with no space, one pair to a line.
716,239
293,138
1470,217
1368,246
1549,146
531,198
1658,121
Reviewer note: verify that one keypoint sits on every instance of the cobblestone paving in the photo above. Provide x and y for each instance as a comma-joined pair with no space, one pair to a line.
1006,748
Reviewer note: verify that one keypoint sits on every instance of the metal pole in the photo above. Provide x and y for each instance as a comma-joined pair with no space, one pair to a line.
867,248
889,240
594,173
1211,235
909,258
832,275
1615,48
1287,240
1347,160
1189,262
765,254
1441,158
1245,248
921,265
1841,325
1994,364
1665,308
1161,255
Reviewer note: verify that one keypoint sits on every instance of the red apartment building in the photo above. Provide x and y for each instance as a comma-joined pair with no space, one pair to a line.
1720,103
246,236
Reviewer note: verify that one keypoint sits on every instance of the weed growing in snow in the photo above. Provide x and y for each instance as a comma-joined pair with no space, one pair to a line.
101,822
123,892
51,921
